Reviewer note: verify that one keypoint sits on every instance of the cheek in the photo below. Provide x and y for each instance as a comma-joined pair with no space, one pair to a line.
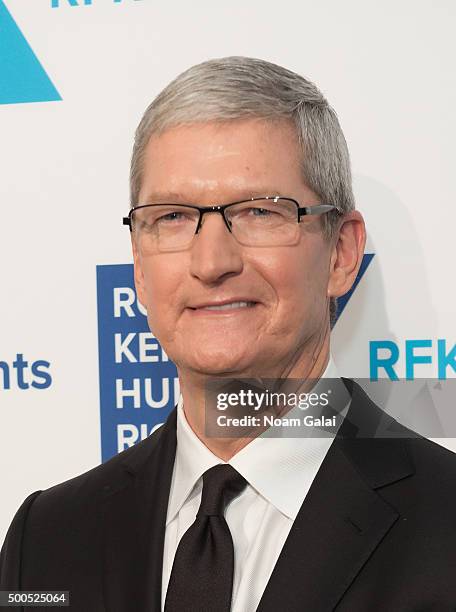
300,283
162,284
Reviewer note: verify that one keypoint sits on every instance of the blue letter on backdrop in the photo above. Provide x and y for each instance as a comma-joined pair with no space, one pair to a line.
386,363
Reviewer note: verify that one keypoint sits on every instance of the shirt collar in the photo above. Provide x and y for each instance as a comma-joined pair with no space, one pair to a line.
193,458
295,462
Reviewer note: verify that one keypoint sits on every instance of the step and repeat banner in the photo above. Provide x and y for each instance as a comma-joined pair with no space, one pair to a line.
81,375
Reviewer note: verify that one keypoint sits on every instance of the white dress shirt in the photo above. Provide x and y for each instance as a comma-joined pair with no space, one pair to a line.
261,517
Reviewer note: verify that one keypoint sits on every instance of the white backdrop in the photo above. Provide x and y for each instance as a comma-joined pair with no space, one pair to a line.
388,70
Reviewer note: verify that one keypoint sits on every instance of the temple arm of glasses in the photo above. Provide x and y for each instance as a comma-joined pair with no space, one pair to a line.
318,209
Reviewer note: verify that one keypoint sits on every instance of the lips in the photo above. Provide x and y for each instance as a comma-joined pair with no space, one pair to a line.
225,305
230,306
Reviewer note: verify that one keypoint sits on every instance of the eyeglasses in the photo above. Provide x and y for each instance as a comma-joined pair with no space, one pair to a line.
265,221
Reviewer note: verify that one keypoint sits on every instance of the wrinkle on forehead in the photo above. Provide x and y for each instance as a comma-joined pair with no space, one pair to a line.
236,192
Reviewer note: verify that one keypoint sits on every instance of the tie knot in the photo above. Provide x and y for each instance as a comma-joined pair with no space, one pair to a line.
221,484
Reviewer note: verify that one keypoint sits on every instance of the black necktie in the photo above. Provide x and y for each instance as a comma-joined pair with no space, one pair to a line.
202,575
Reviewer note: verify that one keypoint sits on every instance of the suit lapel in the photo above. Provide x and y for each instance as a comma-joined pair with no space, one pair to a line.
342,519
133,520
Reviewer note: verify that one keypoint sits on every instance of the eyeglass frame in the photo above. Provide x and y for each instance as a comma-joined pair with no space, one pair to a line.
316,209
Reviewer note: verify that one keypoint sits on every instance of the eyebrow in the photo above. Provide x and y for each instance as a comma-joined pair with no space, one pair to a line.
171,196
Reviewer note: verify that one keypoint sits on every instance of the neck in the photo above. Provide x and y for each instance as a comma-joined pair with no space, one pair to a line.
311,364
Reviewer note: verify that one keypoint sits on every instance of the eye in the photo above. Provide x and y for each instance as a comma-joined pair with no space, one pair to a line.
171,216
258,212
262,210
174,217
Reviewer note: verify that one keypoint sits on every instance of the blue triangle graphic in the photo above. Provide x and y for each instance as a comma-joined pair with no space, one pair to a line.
22,77
343,300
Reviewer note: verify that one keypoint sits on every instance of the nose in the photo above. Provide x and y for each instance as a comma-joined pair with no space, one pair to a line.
215,253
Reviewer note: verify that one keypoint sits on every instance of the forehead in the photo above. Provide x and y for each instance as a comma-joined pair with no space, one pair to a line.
208,159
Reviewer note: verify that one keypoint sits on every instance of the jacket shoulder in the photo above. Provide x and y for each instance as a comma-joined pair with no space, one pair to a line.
70,506
432,459
10,555
86,488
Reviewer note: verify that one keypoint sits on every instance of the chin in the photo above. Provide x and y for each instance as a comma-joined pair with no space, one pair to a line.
218,363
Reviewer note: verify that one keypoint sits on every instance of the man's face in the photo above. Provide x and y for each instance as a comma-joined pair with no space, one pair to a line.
208,164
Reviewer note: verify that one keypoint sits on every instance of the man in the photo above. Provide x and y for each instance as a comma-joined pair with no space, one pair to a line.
244,234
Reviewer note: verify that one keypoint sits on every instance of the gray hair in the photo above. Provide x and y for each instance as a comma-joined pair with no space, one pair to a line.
238,87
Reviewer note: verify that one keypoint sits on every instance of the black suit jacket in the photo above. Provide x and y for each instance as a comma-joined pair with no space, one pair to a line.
376,532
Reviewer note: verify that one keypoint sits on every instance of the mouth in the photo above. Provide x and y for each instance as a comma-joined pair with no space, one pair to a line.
229,307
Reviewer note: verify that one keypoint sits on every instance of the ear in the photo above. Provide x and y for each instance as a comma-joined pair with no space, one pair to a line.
138,274
347,253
